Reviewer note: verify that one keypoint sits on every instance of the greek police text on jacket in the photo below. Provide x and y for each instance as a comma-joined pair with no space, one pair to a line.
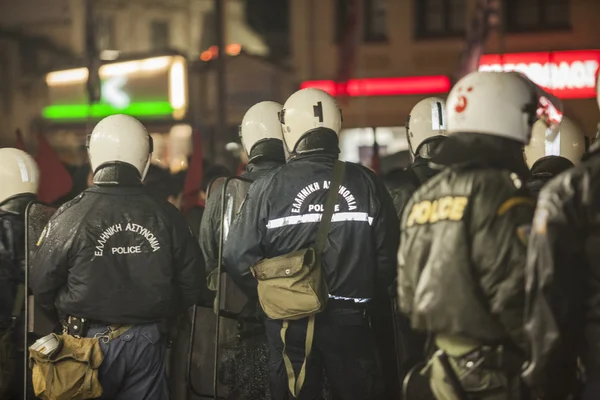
133,258
354,262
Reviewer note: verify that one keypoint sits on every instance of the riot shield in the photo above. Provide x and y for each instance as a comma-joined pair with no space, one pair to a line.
232,299
218,344
37,324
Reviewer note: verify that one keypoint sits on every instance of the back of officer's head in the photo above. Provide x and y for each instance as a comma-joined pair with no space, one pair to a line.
260,132
19,174
120,139
568,141
426,127
491,116
311,122
500,104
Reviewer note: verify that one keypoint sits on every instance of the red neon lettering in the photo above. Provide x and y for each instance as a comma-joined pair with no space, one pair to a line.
566,74
386,86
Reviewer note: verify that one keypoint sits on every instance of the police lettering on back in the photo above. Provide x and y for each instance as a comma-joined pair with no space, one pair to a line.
313,187
129,227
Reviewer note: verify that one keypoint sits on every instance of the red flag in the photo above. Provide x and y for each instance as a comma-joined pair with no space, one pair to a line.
375,158
193,178
347,49
55,180
20,143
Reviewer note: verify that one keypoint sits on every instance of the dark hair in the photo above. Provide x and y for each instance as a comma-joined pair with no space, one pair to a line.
159,182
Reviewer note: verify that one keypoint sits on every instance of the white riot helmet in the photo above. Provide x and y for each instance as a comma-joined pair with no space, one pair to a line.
261,126
306,111
567,142
19,174
426,120
120,138
504,104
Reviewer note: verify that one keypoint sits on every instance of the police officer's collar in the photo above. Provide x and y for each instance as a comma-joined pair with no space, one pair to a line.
484,150
552,165
267,150
263,164
117,174
17,204
314,154
317,141
425,169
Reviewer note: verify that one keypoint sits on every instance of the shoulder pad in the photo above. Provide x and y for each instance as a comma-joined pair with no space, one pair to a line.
69,204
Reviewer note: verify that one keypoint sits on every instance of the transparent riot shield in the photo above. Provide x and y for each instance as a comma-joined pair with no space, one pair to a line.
37,324
217,342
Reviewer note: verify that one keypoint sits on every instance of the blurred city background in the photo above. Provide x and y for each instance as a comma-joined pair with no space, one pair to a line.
189,70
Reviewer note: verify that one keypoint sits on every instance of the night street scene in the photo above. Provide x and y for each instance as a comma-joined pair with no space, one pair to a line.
299,199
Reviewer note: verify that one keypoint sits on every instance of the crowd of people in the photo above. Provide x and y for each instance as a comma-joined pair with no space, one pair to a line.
473,268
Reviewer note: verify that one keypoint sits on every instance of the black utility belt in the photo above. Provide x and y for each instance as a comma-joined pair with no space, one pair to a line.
79,327
339,304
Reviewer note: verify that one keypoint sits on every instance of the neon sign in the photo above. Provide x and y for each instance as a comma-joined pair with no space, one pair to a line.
566,74
113,94
413,85
149,88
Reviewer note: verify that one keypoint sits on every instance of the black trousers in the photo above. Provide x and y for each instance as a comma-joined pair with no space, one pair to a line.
343,348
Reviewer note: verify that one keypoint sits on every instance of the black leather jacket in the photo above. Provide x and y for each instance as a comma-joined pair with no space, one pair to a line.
462,254
280,216
563,281
408,181
115,254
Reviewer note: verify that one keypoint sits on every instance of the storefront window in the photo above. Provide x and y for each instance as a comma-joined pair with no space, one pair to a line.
376,27
105,32
159,35
440,18
525,15
356,145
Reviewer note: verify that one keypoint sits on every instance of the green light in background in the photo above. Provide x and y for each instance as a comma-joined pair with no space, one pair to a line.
81,111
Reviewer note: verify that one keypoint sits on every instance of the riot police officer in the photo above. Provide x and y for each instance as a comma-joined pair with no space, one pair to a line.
115,262
19,181
549,155
463,245
562,284
260,133
281,215
425,130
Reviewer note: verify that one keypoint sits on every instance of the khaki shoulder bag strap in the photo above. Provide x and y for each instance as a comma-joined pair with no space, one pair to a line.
321,239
